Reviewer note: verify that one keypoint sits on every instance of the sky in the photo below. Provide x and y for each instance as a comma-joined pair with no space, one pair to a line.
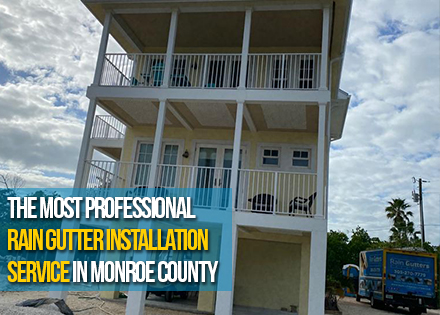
48,51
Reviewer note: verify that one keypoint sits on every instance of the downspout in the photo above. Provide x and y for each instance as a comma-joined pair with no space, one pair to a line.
339,58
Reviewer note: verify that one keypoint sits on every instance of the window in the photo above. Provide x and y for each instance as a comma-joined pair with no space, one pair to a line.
271,157
216,73
142,167
170,154
301,158
279,75
306,71
168,169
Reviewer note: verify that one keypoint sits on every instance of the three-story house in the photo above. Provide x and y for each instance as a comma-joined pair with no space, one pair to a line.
233,94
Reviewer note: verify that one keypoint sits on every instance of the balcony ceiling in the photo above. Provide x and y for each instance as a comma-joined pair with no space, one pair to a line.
217,115
300,28
204,32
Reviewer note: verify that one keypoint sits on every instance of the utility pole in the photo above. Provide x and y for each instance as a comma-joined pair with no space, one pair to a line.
418,197
422,220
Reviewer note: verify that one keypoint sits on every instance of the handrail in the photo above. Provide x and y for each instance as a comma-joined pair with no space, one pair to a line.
107,127
114,66
274,71
259,191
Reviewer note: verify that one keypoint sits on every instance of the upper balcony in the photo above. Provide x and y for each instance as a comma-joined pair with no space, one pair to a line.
243,50
214,71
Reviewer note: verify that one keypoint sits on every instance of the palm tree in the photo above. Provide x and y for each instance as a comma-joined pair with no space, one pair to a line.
402,232
397,211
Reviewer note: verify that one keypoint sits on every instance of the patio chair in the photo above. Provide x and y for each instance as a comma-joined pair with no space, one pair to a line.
263,203
180,80
302,204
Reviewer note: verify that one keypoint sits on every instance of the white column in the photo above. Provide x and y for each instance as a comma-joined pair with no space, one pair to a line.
320,160
157,146
102,48
245,48
325,47
318,248
170,47
136,298
80,172
135,303
236,150
225,299
329,141
85,145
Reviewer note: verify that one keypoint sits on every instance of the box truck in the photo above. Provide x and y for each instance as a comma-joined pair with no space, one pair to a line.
398,278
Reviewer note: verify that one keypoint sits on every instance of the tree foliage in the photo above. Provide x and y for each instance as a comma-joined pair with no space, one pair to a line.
342,249
403,233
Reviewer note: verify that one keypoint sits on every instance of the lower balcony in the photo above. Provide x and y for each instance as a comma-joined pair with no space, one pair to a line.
259,191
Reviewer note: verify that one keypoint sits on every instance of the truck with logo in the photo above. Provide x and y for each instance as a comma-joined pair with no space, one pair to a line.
398,278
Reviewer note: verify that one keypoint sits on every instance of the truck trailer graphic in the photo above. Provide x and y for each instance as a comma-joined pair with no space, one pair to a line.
398,278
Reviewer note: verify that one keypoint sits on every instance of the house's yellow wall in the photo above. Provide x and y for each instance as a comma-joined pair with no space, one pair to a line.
272,271
253,139
251,160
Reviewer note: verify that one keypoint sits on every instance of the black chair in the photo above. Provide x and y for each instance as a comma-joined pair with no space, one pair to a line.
180,81
302,204
263,203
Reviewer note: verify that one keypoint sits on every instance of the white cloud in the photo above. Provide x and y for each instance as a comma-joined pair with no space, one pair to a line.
391,69
392,131
50,49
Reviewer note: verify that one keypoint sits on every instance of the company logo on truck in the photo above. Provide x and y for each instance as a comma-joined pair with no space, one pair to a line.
410,275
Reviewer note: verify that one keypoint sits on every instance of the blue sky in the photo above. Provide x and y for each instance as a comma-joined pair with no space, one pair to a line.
392,70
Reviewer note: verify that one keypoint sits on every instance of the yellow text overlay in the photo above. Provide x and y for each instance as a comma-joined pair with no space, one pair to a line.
111,239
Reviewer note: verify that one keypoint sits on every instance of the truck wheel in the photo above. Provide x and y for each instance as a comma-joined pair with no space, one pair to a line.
169,296
415,310
374,303
358,298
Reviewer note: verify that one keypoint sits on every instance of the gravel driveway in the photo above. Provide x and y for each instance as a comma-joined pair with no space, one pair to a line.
349,306
80,306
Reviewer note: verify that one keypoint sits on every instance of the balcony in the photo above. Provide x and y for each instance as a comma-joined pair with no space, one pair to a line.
259,191
107,136
107,127
292,71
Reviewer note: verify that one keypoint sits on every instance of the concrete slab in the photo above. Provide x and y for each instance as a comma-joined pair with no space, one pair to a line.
189,305
244,310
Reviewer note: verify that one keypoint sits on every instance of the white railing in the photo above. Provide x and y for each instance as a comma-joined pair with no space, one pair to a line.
277,192
111,174
182,176
270,192
186,176
107,127
283,71
206,71
133,70
217,71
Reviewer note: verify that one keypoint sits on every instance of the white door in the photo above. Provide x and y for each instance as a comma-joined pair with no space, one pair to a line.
214,164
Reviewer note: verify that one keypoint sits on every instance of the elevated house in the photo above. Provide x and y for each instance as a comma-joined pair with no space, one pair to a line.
228,94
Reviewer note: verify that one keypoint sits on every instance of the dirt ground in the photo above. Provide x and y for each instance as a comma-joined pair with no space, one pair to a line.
83,303
349,306
88,303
